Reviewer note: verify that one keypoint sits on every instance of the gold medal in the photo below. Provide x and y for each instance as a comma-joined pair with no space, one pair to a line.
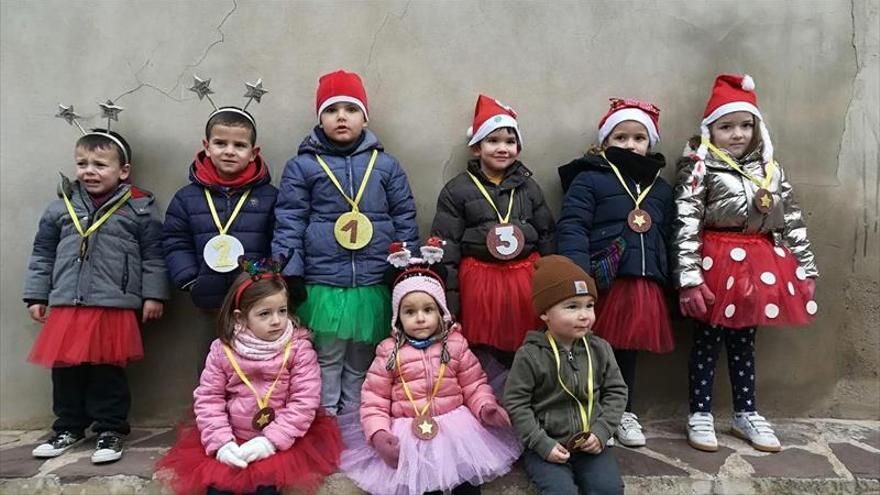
424,427
639,220
265,414
352,230
505,241
263,417
763,200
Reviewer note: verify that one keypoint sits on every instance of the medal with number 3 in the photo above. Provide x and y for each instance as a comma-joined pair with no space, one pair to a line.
504,240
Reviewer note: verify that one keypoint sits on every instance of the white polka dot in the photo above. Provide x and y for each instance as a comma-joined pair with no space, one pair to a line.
768,278
729,282
800,273
791,288
729,310
771,310
738,254
812,307
779,251
707,263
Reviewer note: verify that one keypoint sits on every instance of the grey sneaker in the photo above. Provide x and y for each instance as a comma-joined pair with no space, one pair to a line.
108,448
59,443
629,431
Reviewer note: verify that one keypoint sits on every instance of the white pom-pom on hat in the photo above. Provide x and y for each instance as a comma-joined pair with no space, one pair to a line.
748,83
469,133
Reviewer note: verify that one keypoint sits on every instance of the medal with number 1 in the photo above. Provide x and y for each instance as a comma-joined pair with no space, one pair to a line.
352,230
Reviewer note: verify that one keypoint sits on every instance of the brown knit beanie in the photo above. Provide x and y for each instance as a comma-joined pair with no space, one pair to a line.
557,278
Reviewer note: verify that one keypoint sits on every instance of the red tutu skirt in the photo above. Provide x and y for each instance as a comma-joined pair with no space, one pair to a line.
76,335
633,315
754,282
496,301
187,469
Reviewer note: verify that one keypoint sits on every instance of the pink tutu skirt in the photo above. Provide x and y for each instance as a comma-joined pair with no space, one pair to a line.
496,301
754,282
463,451
633,315
76,335
187,469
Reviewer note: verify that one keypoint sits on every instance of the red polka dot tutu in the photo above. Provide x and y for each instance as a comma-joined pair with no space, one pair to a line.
755,283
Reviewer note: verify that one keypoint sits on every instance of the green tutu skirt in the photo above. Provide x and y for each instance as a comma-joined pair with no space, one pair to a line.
362,314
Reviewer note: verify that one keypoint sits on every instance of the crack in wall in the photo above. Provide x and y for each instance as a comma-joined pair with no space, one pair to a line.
381,28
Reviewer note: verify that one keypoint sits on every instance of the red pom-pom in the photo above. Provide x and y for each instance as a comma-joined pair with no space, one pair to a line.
396,247
435,242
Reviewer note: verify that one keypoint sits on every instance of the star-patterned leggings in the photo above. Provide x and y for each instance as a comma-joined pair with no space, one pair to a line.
740,344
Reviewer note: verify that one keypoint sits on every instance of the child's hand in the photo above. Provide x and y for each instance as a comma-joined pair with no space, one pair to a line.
152,310
38,312
257,448
695,301
231,455
494,415
592,445
559,454
387,446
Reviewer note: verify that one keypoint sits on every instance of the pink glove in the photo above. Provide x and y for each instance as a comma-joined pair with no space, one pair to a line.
494,415
811,287
387,446
695,301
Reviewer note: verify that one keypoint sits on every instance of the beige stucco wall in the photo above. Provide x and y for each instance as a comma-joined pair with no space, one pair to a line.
557,63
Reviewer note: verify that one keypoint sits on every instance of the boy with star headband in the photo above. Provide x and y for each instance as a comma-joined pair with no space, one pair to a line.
565,393
342,201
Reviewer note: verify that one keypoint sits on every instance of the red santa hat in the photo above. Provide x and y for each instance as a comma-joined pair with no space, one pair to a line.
733,93
491,114
622,110
340,86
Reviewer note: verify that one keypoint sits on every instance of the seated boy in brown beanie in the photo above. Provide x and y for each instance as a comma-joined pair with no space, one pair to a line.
565,393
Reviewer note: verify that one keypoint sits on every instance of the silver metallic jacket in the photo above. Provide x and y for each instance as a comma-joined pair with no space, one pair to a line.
709,195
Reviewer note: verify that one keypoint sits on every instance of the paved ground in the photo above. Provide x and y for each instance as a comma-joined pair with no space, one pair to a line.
820,456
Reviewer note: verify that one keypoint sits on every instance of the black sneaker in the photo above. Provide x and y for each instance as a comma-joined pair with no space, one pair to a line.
56,445
108,448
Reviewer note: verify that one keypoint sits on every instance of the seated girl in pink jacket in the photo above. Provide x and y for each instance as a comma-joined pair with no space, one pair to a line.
429,421
257,404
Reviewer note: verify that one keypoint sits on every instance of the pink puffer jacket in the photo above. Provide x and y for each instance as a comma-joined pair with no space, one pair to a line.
383,397
225,406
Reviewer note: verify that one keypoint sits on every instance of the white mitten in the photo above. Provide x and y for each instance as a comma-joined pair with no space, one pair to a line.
257,448
232,455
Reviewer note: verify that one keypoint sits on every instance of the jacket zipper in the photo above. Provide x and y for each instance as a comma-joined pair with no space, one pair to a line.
125,275
641,235
573,416
349,168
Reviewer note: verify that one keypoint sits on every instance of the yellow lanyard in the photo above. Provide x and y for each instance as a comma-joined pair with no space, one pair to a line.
762,184
225,228
644,193
482,189
357,199
409,394
262,402
585,415
100,221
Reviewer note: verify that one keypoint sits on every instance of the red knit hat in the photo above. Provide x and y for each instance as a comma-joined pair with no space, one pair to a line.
733,93
491,114
622,110
340,86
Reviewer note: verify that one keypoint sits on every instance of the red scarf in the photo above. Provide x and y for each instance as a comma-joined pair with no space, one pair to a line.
206,172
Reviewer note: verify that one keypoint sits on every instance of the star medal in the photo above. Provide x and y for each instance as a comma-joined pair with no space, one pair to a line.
263,417
353,230
221,253
763,200
577,441
424,427
505,241
639,220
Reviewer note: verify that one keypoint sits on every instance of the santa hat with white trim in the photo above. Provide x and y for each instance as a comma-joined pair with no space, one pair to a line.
491,114
340,86
733,93
622,110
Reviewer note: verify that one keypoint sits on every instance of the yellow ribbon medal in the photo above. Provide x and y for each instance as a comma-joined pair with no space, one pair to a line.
576,441
83,244
424,427
353,230
638,219
265,414
763,198
504,240
222,251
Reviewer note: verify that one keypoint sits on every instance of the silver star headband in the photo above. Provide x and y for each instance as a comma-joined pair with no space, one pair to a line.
109,110
254,91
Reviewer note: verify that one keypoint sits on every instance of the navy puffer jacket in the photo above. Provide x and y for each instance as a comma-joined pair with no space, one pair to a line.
594,213
309,204
189,226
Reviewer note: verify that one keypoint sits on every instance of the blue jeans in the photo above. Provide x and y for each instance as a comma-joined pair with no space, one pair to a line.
591,474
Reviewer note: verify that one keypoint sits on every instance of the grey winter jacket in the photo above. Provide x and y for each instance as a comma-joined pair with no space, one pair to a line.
716,197
122,264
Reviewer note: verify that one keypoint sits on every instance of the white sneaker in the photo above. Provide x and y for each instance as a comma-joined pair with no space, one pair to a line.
752,427
629,431
701,431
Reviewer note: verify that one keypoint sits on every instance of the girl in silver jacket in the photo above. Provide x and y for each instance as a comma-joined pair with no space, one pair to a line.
743,258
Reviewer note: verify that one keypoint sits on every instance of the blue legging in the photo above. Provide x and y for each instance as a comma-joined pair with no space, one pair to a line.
740,344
